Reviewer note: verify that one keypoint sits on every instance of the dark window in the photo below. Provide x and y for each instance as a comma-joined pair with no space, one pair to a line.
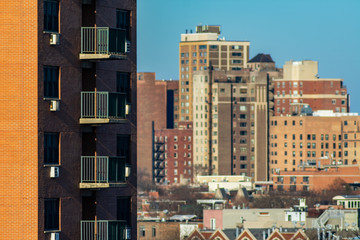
243,124
236,54
123,147
154,231
51,213
142,231
123,21
51,15
123,84
124,209
51,148
51,82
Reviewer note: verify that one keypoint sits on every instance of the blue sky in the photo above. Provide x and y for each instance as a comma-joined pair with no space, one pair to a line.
327,31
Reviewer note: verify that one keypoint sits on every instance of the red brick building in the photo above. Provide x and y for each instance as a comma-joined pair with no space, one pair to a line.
301,85
173,151
157,106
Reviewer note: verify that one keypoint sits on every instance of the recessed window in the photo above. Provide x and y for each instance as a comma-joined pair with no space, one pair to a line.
51,15
51,82
123,84
51,214
123,21
51,148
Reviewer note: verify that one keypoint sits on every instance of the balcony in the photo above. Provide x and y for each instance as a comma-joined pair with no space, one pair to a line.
103,172
103,107
103,43
104,230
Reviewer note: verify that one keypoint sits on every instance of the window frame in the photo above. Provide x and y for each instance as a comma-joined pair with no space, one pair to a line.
51,19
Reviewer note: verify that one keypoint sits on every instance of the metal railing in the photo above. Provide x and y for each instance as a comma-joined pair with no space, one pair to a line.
104,230
103,40
103,169
100,105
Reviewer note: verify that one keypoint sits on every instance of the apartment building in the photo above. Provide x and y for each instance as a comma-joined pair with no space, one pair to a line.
301,141
323,175
201,49
302,85
68,119
157,109
230,120
173,155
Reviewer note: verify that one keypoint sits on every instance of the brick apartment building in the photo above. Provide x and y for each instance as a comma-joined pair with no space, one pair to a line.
173,155
157,106
303,142
196,51
301,85
68,137
231,112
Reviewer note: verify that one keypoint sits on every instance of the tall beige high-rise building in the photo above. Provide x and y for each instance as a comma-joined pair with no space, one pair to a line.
230,121
200,49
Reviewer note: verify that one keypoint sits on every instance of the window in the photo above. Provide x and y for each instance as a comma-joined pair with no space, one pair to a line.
51,148
123,207
123,147
306,179
153,231
123,84
51,82
142,231
213,223
51,213
123,21
51,15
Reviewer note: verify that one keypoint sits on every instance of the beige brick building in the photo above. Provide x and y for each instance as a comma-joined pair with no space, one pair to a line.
298,141
200,49
230,120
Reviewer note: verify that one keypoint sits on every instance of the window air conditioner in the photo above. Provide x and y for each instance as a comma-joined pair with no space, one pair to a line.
127,233
54,105
54,172
128,109
54,39
127,46
54,236
127,171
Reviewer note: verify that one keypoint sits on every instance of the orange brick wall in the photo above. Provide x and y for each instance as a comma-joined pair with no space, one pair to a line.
18,115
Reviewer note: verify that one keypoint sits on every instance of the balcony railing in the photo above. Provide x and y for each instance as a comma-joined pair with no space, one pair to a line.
103,172
104,230
103,107
103,43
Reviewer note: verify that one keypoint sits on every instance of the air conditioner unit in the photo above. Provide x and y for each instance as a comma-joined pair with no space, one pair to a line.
54,236
127,233
54,39
127,46
127,171
54,105
54,172
128,109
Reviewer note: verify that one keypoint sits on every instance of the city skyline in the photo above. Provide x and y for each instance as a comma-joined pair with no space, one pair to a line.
286,30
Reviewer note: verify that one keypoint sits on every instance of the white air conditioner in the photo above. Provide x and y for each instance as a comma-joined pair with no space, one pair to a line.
54,172
127,171
54,39
127,46
127,233
54,236
128,109
54,105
